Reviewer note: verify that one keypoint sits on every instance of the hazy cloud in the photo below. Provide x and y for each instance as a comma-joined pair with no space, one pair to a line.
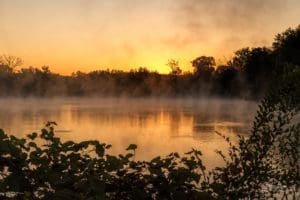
227,23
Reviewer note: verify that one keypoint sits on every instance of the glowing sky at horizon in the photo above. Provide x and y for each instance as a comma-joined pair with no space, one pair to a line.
71,35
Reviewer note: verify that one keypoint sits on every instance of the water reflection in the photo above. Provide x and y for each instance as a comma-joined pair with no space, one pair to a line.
157,126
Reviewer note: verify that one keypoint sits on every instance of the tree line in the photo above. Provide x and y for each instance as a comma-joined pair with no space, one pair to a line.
246,75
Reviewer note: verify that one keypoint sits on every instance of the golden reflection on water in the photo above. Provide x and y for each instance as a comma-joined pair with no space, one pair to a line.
158,127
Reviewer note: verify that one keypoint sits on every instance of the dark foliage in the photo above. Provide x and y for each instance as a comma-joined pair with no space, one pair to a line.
286,46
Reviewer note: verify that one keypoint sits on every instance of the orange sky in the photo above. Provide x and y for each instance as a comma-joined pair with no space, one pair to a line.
71,35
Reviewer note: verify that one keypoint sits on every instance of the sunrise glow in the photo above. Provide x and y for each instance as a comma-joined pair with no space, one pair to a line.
73,35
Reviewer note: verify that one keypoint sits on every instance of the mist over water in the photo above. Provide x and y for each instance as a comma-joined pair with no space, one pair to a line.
157,126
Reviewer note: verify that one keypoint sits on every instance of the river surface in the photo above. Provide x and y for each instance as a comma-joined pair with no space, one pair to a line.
157,126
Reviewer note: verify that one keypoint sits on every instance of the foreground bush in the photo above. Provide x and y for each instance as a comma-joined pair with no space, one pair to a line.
264,165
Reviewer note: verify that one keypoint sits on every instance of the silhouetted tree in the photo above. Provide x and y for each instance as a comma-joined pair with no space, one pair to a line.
174,65
203,74
256,67
240,59
10,61
7,66
227,81
204,65
287,47
173,77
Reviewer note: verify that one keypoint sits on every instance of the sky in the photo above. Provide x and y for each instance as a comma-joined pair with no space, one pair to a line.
86,35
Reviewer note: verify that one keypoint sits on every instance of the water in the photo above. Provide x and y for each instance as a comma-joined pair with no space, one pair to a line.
157,126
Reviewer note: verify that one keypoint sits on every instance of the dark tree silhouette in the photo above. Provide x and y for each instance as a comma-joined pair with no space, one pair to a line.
256,66
10,61
174,65
287,47
227,81
204,65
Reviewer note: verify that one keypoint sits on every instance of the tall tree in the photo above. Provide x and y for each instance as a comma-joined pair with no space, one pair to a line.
204,64
10,61
287,47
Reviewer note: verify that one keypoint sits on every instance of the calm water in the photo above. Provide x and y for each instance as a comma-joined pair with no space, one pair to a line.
156,126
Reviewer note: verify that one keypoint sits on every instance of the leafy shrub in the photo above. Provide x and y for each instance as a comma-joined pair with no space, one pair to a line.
267,163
